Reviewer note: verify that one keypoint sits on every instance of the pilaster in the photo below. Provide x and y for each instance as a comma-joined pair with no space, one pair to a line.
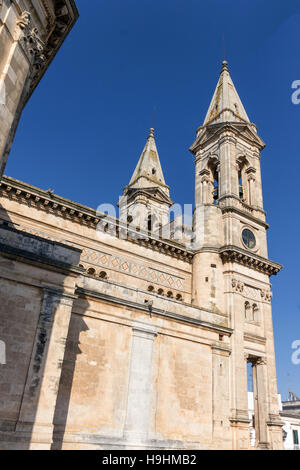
140,384
35,424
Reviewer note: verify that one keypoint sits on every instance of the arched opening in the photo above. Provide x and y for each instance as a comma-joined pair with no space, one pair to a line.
241,187
242,164
247,311
103,275
151,222
91,271
213,167
255,312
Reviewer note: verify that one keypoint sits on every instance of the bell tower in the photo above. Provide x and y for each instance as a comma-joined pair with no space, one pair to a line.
231,269
145,202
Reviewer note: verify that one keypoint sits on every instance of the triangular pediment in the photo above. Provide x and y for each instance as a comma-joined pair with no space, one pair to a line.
212,132
154,193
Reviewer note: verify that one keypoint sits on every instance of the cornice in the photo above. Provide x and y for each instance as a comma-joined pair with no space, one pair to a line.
59,25
38,260
154,311
49,202
232,253
208,133
245,211
155,193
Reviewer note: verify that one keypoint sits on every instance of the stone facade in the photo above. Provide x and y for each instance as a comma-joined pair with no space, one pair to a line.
141,341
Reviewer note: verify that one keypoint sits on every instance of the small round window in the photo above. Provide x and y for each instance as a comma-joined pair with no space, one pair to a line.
248,239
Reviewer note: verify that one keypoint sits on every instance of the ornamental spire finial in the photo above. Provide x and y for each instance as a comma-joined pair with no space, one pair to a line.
224,66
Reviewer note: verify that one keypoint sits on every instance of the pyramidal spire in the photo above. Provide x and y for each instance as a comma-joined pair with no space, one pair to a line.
148,172
225,105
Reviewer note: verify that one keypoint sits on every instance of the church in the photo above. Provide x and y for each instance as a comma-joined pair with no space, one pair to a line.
137,332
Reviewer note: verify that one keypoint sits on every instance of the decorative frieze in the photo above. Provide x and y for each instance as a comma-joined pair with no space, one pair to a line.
238,286
266,295
252,293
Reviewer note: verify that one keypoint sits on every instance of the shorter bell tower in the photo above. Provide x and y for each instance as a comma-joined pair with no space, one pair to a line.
145,202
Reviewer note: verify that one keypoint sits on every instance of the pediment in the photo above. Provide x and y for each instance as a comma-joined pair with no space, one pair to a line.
213,131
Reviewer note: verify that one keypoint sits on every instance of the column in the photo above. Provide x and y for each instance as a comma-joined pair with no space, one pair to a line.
239,392
260,403
228,175
140,384
274,421
35,424
251,186
220,394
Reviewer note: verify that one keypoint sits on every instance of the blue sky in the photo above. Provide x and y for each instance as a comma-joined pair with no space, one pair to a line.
85,126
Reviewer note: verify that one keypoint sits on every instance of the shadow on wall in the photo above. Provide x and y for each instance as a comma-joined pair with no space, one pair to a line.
72,350
33,307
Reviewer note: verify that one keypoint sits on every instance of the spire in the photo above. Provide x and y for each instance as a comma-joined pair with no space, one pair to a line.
225,105
148,172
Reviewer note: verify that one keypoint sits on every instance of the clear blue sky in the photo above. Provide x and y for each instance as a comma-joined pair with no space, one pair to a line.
84,128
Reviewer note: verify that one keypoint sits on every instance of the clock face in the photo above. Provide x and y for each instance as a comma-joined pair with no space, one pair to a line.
248,238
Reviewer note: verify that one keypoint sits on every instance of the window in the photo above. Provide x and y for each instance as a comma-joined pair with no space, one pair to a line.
295,437
254,312
241,188
216,188
247,311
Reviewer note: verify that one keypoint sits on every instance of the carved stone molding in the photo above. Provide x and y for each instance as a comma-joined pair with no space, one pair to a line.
266,295
255,360
230,254
261,361
238,286
22,25
41,45
51,203
252,293
30,40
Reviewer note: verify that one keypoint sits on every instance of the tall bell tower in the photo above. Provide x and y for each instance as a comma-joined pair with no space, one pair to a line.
231,269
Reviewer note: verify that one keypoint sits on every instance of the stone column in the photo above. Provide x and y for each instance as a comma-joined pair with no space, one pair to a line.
274,421
239,393
35,424
220,393
140,384
260,403
228,175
